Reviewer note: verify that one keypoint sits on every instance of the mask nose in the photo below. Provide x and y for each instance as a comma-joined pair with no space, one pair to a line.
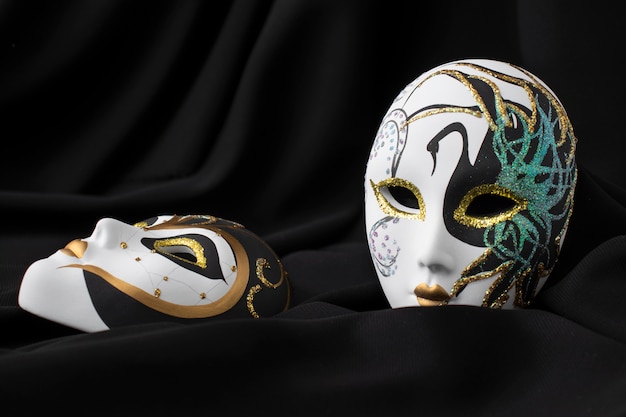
436,261
435,253
435,266
108,233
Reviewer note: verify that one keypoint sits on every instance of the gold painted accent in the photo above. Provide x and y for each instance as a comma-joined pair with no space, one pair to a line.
138,259
389,208
225,303
141,225
461,216
192,244
76,248
178,222
250,300
123,245
157,292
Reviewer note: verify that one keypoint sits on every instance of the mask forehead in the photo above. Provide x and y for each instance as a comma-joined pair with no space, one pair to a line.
437,137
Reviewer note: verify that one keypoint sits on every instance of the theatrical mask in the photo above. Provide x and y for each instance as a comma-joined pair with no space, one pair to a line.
167,268
469,187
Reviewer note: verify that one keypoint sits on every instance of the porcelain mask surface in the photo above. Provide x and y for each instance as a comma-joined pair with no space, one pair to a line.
165,268
469,187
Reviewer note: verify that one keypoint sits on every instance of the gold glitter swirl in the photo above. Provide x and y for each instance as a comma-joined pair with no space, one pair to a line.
388,208
501,270
432,112
477,261
250,300
462,282
519,289
502,298
566,126
461,216
261,264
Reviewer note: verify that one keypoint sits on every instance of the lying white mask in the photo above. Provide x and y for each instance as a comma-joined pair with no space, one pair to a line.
167,268
469,187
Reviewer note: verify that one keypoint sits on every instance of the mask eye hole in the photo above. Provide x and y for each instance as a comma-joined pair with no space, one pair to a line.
182,252
182,248
404,196
488,204
397,197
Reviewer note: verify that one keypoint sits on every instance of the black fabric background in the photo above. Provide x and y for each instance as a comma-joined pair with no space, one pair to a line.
263,112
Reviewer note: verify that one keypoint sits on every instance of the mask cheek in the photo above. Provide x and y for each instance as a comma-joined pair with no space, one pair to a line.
395,266
411,253
383,245
60,294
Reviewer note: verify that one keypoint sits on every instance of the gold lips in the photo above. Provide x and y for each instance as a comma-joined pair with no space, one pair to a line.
76,248
434,295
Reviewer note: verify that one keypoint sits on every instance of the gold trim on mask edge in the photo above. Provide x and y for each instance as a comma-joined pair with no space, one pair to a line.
225,303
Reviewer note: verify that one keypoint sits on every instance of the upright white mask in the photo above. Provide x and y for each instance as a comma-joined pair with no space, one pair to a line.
469,187
173,268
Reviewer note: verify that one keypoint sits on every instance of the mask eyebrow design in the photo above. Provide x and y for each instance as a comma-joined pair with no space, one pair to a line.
433,145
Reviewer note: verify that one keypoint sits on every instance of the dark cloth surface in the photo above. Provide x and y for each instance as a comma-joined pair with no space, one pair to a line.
263,112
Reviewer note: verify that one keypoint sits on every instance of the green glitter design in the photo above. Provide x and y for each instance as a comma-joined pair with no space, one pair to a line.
527,237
